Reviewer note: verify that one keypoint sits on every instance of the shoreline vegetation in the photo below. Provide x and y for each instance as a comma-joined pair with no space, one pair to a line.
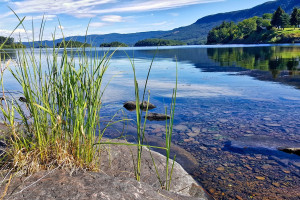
277,27
114,44
56,121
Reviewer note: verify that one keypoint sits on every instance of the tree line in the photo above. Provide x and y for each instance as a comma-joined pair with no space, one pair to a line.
114,44
230,31
9,41
158,42
72,44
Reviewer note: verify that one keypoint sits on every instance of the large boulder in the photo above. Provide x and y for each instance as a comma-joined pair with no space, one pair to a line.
60,185
114,181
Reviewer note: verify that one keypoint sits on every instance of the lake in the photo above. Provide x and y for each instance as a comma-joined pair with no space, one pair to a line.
235,106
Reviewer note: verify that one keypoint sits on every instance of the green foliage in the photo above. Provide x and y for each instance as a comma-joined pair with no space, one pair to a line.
284,20
72,44
267,16
114,44
257,30
276,19
9,41
222,34
295,17
14,46
158,42
265,58
247,26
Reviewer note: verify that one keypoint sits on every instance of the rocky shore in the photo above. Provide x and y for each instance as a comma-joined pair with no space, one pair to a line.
114,181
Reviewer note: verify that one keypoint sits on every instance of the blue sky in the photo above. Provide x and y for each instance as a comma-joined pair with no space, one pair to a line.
110,16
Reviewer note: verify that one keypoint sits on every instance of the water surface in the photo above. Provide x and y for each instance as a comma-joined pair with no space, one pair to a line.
235,106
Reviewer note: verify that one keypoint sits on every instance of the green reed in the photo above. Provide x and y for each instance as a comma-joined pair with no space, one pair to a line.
63,90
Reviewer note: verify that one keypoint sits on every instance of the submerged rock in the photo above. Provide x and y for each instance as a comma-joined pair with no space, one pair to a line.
157,117
23,99
130,105
290,150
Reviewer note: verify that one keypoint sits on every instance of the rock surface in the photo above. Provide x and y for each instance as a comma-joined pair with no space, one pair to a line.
115,181
291,150
130,105
84,186
157,117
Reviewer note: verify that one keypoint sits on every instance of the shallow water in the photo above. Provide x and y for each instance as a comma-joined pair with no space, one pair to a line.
235,106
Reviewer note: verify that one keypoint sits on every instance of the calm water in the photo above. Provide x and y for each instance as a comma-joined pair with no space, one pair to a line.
235,106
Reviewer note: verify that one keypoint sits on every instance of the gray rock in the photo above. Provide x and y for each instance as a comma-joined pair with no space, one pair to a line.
23,99
157,117
84,186
290,150
130,105
115,181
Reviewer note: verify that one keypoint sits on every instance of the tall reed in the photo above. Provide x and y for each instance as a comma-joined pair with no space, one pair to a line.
62,91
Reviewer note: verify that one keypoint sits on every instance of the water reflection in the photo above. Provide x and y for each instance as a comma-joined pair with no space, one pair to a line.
7,54
274,59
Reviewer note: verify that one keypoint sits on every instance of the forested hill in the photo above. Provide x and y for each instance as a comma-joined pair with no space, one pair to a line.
193,34
197,32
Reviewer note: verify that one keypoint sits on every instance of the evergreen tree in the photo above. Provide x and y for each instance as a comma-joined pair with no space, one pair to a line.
295,17
284,20
276,19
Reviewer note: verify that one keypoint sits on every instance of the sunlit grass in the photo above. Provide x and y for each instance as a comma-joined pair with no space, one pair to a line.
58,125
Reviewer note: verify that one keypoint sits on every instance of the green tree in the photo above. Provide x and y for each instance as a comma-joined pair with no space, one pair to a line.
114,44
247,26
295,17
284,20
224,33
267,16
276,19
9,41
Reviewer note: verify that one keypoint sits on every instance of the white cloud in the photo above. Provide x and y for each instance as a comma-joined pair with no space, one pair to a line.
97,24
18,34
112,18
158,23
140,6
90,8
40,17
174,14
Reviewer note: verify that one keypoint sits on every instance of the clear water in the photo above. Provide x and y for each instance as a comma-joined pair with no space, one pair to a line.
235,106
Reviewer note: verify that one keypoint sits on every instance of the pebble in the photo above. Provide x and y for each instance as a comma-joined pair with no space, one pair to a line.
260,178
204,130
273,125
189,140
266,166
276,184
203,148
223,120
220,169
238,197
180,127
192,134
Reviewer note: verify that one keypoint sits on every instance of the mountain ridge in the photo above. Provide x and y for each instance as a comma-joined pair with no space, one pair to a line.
195,33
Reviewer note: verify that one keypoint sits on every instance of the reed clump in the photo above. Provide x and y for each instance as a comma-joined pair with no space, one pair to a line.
57,124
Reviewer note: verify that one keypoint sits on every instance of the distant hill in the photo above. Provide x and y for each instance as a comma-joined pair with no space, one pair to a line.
193,34
196,33
129,39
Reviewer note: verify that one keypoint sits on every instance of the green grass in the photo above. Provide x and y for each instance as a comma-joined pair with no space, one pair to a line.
289,32
59,126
